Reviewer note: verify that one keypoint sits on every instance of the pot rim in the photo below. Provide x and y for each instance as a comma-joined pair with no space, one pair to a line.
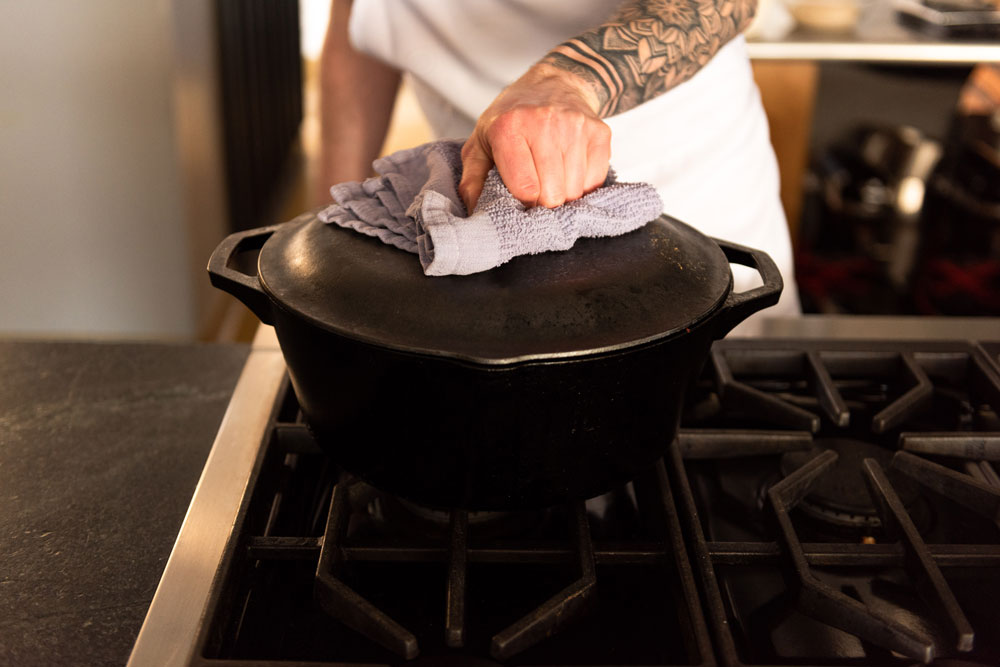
283,295
718,314
498,363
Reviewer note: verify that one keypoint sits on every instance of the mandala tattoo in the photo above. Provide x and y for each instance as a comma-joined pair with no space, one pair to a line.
650,46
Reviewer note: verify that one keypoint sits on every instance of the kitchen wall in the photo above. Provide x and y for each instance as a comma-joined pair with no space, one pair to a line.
103,103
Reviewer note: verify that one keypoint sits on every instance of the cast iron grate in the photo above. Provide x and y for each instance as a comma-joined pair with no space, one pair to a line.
883,591
342,603
312,578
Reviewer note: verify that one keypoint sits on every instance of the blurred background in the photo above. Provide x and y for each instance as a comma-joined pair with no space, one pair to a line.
135,136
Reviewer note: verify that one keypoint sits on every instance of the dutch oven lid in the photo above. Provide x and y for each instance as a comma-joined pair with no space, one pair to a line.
600,296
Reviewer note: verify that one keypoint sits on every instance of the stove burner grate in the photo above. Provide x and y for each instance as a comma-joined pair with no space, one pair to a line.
314,575
734,573
922,589
341,602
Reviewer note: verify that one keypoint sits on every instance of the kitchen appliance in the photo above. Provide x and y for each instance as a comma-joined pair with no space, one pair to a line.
901,223
959,271
825,502
554,377
863,237
950,19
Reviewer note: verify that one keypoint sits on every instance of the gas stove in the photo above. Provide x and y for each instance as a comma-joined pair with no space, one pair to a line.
826,502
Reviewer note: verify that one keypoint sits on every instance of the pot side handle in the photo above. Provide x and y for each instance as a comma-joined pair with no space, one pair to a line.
223,273
741,305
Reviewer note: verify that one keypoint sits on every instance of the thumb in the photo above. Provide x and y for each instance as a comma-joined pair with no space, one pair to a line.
476,163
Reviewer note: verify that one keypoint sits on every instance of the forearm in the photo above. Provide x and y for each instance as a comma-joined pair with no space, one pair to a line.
649,47
357,93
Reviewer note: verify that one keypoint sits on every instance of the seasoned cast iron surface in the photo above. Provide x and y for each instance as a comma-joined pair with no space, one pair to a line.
601,295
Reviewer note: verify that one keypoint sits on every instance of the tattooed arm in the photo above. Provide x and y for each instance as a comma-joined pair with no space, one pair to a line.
544,132
649,47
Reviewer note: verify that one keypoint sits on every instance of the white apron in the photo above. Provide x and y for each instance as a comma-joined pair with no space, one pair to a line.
704,144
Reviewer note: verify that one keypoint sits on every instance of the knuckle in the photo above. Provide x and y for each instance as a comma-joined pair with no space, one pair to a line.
525,193
472,153
528,119
602,132
505,124
568,123
545,113
527,190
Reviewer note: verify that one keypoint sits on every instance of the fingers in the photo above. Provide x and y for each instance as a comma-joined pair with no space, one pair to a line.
551,169
548,162
516,163
538,166
572,167
598,156
575,166
547,143
476,163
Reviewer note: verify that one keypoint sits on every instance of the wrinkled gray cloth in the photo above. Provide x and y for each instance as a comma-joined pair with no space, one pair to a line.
413,204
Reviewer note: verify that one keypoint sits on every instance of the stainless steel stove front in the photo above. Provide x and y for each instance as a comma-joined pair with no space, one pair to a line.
169,634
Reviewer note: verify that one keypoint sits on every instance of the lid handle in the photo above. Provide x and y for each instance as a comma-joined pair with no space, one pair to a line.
741,305
246,287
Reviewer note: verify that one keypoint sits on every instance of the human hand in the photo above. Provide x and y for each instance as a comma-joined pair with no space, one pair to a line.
545,137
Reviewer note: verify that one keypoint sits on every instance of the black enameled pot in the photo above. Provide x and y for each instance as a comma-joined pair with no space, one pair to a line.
554,377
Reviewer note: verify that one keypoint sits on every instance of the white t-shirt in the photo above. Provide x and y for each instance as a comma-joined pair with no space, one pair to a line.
703,144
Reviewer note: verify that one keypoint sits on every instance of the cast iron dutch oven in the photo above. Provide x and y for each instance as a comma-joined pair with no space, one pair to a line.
554,377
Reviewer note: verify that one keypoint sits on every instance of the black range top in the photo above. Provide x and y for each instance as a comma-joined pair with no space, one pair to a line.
825,503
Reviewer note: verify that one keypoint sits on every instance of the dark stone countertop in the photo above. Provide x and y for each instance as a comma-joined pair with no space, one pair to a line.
101,446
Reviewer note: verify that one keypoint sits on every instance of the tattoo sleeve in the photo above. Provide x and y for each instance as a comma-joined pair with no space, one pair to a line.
649,47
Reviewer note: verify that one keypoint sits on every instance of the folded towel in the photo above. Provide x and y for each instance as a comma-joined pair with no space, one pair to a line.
413,204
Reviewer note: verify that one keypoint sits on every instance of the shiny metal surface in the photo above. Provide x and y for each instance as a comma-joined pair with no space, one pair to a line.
171,628
876,38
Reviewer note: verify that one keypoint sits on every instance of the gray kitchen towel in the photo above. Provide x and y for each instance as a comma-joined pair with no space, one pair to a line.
413,204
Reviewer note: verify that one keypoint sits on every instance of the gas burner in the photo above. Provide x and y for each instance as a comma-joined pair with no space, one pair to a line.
392,515
840,497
